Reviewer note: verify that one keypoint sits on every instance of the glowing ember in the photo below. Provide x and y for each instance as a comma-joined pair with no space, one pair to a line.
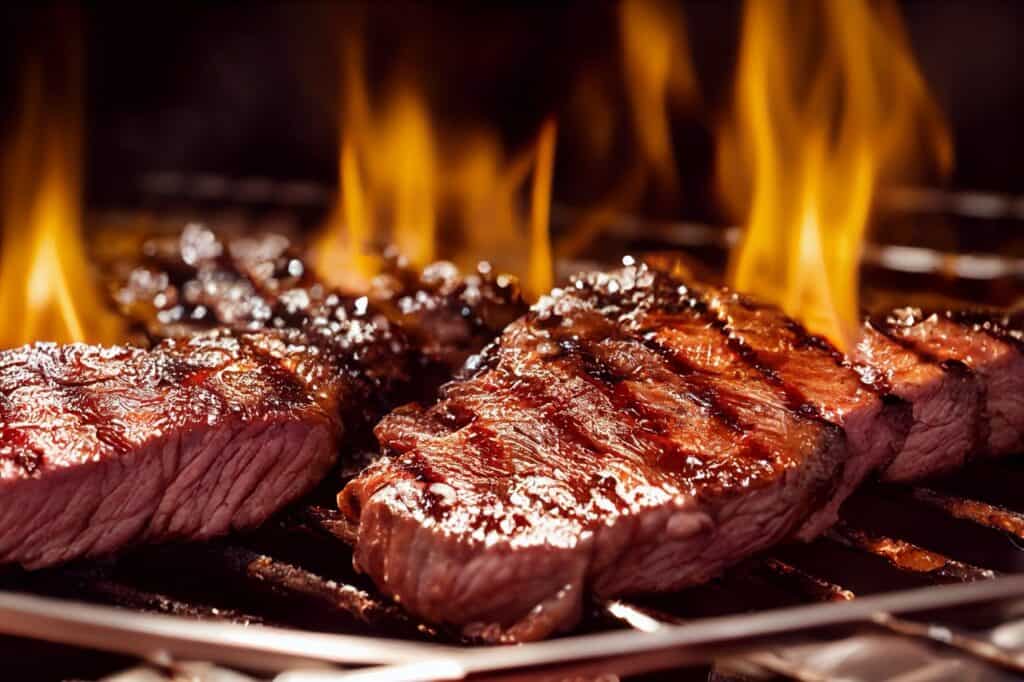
828,102
47,291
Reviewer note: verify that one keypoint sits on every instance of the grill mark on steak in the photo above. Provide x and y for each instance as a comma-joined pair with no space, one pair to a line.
213,431
669,296
954,367
671,299
819,377
946,398
652,426
702,393
645,424
995,325
884,325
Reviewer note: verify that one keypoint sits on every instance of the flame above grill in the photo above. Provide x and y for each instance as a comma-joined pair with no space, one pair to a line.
828,102
430,190
828,105
47,291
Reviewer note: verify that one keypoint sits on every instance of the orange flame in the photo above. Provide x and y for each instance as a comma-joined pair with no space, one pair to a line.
659,78
828,101
656,65
47,291
433,192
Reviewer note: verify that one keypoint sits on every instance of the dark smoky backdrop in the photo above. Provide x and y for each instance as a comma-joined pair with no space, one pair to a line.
252,89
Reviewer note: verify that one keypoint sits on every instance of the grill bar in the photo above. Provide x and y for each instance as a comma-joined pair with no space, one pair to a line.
949,637
906,556
981,513
297,582
330,521
126,595
803,583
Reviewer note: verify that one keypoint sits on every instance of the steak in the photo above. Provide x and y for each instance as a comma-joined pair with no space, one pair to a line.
196,281
987,346
107,447
949,416
820,382
258,377
636,433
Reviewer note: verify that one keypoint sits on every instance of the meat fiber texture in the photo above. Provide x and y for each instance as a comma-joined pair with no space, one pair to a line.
636,433
108,447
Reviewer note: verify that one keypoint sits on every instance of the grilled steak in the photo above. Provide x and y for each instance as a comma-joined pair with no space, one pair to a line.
197,281
105,447
630,434
989,349
948,399
964,374
637,434
271,375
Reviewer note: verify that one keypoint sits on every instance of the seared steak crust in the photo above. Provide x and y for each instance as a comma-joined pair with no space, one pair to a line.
433,319
622,437
985,345
819,381
635,433
106,447
949,423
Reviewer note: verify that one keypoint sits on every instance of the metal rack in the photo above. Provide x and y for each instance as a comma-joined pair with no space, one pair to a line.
287,596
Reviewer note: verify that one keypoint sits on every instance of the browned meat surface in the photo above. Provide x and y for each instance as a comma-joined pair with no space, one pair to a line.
197,281
623,437
988,348
949,422
819,382
107,447
637,434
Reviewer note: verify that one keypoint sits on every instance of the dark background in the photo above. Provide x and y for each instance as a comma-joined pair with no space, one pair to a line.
252,89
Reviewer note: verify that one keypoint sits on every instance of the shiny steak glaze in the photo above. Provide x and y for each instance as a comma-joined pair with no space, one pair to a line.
635,433
630,434
949,420
821,382
107,447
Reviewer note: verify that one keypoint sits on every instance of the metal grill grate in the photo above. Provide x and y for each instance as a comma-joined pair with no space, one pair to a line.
297,573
